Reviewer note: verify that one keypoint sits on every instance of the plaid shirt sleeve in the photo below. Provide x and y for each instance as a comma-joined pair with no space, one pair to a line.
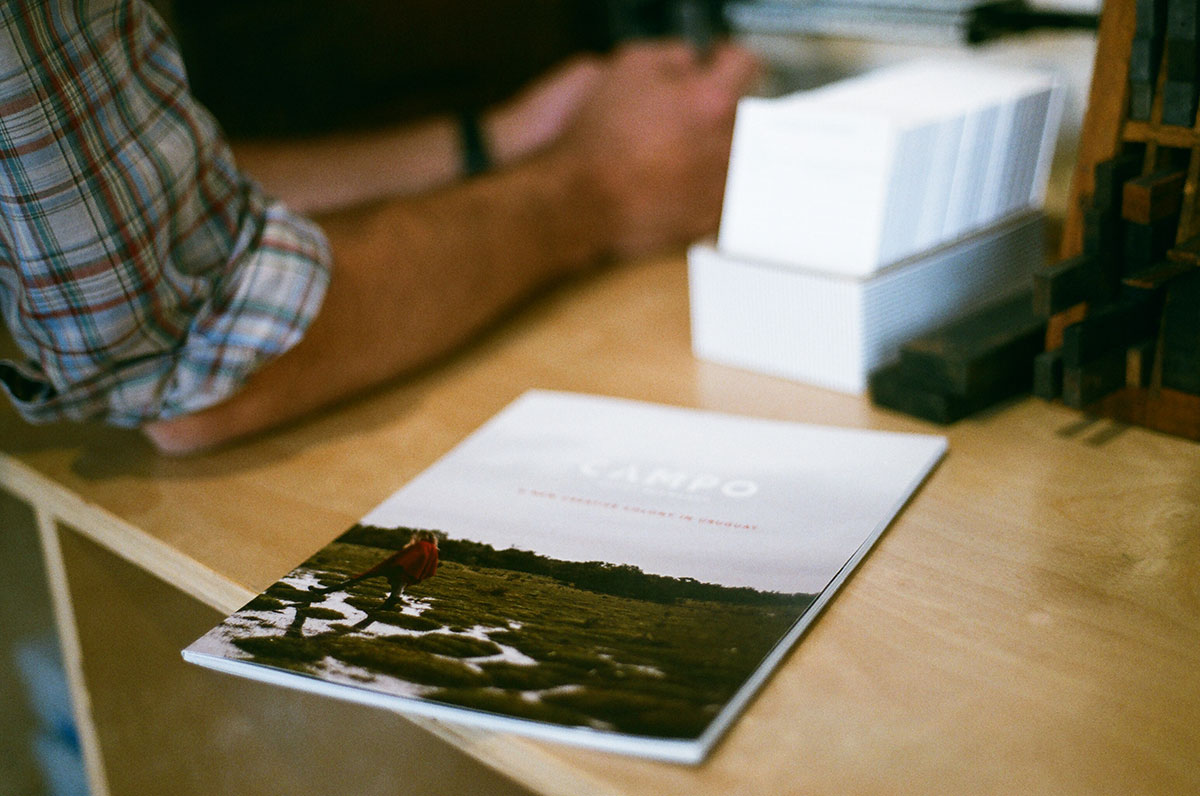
141,275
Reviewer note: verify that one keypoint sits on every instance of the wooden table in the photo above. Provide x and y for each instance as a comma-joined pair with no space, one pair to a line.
1029,624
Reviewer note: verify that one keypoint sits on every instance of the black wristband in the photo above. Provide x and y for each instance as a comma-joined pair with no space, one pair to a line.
474,149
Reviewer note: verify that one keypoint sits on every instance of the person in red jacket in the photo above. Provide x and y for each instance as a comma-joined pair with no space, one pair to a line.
416,562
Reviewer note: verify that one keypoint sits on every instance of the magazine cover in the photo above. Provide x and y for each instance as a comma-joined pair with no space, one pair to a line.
584,569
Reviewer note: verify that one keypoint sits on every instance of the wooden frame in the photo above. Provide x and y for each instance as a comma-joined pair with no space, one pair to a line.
1107,129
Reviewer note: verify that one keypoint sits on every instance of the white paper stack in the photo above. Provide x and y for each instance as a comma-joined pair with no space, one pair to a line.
866,213
858,175
832,331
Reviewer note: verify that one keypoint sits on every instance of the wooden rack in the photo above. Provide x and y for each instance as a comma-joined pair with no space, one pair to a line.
1108,132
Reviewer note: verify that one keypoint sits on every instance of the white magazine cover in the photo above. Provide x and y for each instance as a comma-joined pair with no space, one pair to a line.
591,570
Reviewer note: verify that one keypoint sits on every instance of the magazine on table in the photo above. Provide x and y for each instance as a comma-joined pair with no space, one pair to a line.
590,570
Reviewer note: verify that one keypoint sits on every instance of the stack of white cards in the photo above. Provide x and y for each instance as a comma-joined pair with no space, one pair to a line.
866,212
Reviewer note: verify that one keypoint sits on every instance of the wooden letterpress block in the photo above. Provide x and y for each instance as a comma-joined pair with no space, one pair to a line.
1048,374
1141,100
1101,231
1091,381
1150,19
1146,244
985,355
1181,334
1180,87
1181,19
1103,245
1179,103
1144,59
1109,177
1145,56
1181,61
1063,285
1115,326
890,388
1152,197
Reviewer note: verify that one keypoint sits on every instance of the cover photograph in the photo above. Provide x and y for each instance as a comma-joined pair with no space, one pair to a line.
583,569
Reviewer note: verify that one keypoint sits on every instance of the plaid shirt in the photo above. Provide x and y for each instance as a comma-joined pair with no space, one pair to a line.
141,275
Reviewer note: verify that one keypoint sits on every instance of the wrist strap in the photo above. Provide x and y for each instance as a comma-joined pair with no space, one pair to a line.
474,150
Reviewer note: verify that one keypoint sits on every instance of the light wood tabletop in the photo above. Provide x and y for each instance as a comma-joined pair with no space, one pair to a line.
1029,624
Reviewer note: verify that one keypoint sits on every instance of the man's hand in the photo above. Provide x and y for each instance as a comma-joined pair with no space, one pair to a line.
538,116
654,137
650,129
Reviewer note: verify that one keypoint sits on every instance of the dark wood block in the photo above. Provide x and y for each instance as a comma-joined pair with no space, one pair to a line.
1062,285
1181,19
1087,383
1180,373
1103,243
1102,229
1150,18
986,353
1141,100
1153,196
1145,57
1110,175
1147,244
1179,103
890,388
1181,60
1048,374
1181,334
1115,326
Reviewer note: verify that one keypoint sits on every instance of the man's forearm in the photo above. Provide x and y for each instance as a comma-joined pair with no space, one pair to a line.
418,277
413,279
641,166
344,169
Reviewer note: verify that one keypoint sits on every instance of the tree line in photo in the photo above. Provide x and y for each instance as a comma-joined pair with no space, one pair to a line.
602,577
